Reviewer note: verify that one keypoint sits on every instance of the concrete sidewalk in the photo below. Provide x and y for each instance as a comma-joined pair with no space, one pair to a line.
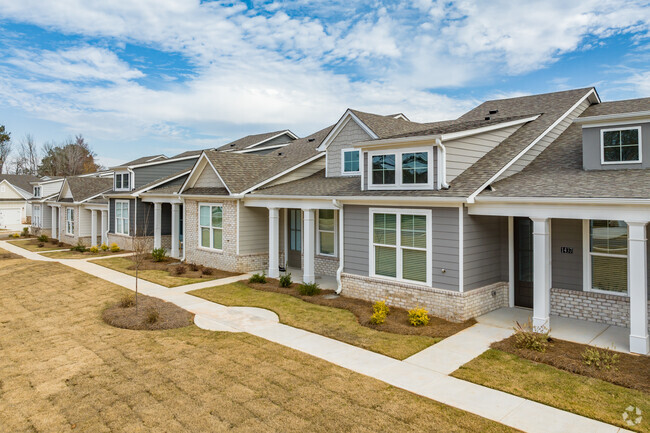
416,374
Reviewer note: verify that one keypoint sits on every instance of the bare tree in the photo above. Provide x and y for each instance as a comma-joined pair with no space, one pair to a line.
5,148
141,248
27,160
71,158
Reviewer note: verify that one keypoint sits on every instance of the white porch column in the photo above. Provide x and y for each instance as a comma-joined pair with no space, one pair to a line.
176,212
638,280
104,234
157,215
55,224
308,246
93,228
274,242
541,272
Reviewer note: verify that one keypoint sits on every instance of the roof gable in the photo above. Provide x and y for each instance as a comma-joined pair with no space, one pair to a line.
10,191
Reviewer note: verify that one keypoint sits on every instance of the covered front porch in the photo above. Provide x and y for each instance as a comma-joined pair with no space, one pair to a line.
167,222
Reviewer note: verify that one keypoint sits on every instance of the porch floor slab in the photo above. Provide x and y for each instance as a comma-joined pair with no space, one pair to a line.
325,282
579,331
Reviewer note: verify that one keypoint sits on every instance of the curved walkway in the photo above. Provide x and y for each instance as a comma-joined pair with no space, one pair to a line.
418,377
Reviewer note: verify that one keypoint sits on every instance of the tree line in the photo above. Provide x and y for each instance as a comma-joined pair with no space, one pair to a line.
71,157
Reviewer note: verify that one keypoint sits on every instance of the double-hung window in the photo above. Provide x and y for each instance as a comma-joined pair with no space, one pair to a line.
401,169
36,219
122,217
327,232
37,191
621,146
211,226
122,181
350,161
69,221
607,256
400,245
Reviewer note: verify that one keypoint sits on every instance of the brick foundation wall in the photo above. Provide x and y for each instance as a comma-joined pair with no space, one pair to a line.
450,305
324,265
592,306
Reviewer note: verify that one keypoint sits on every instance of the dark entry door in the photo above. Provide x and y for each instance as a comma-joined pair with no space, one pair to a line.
523,228
295,244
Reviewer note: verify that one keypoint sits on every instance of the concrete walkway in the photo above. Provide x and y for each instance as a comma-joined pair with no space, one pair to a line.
417,377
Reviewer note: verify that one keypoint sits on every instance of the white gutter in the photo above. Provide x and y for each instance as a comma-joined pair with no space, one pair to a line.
442,165
564,200
370,198
339,205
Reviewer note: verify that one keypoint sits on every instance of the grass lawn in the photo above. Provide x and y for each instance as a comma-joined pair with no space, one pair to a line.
78,255
164,278
331,322
63,368
582,395
31,244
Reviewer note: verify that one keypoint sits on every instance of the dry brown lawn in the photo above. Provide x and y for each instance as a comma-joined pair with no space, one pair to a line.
32,244
63,368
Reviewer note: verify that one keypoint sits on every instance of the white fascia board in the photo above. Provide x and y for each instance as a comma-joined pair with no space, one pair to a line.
193,172
340,125
161,183
279,175
494,177
161,198
207,197
95,196
564,200
489,128
390,142
286,131
637,115
384,200
147,164
247,150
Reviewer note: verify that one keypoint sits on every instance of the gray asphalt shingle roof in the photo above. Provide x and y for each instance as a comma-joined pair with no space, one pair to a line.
22,181
250,140
615,107
83,188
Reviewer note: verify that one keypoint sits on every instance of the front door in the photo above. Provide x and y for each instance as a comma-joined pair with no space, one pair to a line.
295,244
523,262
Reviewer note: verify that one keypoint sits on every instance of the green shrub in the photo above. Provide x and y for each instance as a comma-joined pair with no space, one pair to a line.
380,306
43,238
127,301
309,289
258,278
94,249
604,359
79,247
418,317
114,248
378,317
15,235
25,232
285,280
152,316
531,337
158,254
103,247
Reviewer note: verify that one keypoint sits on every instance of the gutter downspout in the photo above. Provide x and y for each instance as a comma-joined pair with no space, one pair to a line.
442,165
339,206
184,233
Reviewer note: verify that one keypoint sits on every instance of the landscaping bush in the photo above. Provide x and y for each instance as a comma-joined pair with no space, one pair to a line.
207,271
380,306
285,280
258,278
15,235
158,254
194,267
114,248
79,247
530,337
378,317
178,270
127,301
309,289
41,244
61,244
25,232
104,247
43,238
152,316
604,359
94,249
418,317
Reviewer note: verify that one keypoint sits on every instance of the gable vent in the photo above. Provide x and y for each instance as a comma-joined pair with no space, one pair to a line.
494,111
487,117
310,139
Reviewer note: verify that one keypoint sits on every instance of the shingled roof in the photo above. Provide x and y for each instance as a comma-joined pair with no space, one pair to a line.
250,140
83,188
617,107
22,181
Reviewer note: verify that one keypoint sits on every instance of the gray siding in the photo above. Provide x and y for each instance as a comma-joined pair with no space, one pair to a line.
148,174
444,241
301,172
253,230
349,134
483,250
591,152
566,268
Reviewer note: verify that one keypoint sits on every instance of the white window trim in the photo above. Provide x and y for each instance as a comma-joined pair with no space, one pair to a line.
586,264
122,174
602,146
371,245
128,217
398,185
350,173
334,231
36,217
199,226
67,221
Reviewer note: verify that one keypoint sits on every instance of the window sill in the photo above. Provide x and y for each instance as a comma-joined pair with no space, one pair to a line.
605,292
400,280
210,250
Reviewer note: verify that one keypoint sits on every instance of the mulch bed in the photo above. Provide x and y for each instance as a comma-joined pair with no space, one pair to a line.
50,243
178,269
396,322
631,371
170,316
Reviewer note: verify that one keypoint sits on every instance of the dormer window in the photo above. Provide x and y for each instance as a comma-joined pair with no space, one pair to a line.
122,182
621,145
401,169
350,161
37,191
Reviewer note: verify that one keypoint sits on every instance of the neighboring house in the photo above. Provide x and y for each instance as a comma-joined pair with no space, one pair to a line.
540,201
79,212
15,192
43,191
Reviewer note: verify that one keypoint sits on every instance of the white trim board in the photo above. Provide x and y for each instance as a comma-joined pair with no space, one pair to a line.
347,116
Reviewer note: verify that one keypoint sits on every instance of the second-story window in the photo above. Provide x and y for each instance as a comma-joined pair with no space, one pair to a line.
401,169
37,191
350,161
122,181
383,169
415,167
621,145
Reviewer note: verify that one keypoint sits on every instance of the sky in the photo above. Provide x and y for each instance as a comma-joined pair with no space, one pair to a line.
165,76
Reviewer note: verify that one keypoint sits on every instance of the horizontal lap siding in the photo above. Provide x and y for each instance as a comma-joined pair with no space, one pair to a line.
145,175
482,249
356,236
566,268
253,230
301,172
350,133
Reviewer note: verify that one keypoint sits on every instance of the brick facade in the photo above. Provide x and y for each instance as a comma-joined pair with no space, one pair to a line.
592,306
324,265
448,304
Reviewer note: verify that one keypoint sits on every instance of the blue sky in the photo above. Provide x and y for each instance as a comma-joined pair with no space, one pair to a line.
165,76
